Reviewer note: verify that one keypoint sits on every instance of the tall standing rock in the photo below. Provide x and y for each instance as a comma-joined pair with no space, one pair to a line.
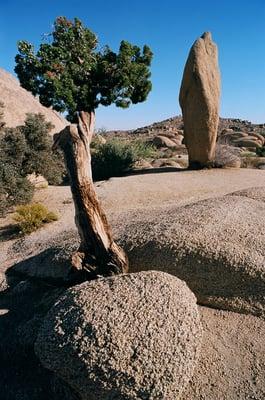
199,100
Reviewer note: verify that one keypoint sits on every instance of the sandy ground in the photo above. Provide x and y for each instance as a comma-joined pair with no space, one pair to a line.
140,191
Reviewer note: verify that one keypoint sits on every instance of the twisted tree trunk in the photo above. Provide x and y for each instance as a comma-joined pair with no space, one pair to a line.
98,253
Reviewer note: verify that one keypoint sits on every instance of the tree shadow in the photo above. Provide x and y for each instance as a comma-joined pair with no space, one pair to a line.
24,302
156,171
9,232
23,305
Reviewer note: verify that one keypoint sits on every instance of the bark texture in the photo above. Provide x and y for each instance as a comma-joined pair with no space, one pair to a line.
98,253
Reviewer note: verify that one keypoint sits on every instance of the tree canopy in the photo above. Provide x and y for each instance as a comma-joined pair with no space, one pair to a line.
70,73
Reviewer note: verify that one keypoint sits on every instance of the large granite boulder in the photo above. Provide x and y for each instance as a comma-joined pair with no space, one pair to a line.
199,100
18,102
133,336
248,141
217,246
163,141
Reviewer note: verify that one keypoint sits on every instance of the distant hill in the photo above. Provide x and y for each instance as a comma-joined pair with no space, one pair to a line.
18,102
175,123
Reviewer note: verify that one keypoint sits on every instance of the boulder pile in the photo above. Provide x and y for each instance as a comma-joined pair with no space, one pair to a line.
168,139
249,140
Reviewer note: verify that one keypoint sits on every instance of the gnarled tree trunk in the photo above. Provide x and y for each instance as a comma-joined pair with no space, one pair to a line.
98,253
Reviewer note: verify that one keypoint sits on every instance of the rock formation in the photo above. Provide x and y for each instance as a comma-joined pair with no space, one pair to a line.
18,102
133,336
199,100
215,245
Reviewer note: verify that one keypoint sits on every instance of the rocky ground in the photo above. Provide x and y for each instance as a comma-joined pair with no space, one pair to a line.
167,204
241,138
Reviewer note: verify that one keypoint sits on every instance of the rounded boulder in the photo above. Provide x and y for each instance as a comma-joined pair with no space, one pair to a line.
215,245
134,336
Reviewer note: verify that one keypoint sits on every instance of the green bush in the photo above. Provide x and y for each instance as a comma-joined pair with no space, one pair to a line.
260,151
14,188
116,157
31,217
25,150
39,158
143,150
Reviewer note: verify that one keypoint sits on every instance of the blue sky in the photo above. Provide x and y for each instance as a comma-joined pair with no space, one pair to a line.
169,28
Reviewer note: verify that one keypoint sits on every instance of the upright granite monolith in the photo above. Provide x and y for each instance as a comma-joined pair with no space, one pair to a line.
199,99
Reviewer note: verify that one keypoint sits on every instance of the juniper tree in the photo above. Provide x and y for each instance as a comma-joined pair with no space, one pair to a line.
71,74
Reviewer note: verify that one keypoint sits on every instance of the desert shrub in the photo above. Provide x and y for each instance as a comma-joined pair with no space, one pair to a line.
14,188
111,159
116,157
143,150
96,142
25,150
13,147
39,157
260,151
227,156
247,154
31,217
250,162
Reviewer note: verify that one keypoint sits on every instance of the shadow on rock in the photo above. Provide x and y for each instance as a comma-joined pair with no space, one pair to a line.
23,305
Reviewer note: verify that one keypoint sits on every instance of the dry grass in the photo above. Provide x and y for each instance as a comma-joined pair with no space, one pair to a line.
32,217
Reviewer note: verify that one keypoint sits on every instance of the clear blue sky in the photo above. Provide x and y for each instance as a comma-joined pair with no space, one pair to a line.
169,27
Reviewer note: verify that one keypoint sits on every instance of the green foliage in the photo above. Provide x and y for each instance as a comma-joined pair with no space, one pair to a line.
14,189
32,216
116,157
247,154
25,150
143,150
13,146
260,151
71,74
39,158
